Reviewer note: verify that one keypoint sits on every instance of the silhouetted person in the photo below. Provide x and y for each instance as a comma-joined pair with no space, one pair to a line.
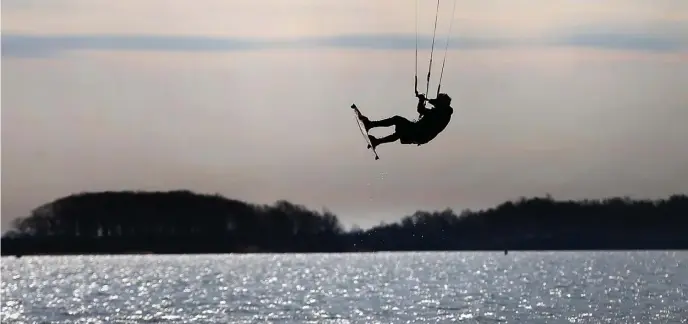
431,122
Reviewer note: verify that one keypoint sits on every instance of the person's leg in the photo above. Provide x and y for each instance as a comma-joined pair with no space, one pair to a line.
387,139
391,121
401,125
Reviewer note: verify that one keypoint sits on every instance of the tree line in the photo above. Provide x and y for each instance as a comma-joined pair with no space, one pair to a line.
186,222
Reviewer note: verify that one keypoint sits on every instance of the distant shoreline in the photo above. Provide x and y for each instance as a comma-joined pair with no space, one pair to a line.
182,222
657,249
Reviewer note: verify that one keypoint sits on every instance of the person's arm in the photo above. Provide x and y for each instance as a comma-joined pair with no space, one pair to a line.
421,105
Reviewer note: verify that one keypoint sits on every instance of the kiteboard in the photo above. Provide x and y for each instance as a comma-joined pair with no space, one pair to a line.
363,130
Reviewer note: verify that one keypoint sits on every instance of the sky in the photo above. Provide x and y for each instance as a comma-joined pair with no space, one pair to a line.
578,99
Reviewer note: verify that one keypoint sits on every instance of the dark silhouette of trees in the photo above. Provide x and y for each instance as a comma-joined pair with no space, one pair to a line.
185,222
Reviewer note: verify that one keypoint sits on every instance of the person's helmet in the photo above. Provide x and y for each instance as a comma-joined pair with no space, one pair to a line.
442,99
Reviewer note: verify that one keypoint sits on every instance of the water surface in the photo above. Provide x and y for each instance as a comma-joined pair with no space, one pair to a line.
559,287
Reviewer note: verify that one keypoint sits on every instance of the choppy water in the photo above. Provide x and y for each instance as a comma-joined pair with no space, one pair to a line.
613,287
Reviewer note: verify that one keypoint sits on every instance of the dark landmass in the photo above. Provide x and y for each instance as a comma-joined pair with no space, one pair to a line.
184,222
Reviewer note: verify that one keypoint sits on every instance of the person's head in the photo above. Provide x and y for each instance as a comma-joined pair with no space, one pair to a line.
442,100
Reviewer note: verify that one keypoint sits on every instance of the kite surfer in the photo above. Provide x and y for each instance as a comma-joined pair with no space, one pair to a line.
432,121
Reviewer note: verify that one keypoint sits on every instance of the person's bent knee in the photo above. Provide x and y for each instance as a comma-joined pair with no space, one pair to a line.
398,120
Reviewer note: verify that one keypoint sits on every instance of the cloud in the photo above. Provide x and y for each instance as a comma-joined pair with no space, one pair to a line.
26,45
621,41
20,45
667,36
403,42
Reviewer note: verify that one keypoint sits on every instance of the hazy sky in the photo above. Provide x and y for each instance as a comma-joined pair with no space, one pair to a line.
250,99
